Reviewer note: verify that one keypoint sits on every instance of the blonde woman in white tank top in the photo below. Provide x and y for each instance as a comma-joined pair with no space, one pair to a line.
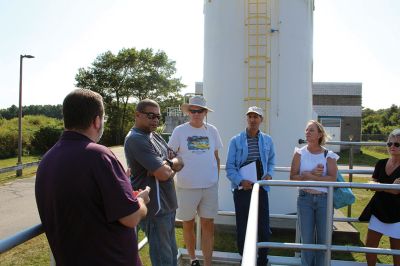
311,163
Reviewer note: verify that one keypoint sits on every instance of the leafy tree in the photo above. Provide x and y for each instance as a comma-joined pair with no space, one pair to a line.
391,116
10,112
382,121
372,128
129,75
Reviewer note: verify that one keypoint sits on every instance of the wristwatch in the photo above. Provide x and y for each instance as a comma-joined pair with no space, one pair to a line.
170,162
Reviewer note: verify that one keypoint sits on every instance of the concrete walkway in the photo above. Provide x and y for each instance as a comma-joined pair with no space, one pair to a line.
18,204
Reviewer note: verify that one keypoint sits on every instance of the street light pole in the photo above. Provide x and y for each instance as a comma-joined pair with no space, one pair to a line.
19,163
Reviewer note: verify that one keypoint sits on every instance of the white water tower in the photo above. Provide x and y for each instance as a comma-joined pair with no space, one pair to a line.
259,52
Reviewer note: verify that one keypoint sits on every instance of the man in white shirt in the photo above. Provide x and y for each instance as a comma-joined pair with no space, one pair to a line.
197,184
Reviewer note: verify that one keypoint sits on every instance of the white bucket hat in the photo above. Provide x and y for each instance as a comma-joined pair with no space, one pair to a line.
256,110
197,100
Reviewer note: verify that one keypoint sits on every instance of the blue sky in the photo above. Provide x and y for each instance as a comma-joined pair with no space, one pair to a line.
354,41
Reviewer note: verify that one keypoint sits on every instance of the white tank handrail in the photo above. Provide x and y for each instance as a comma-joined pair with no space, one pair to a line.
342,171
25,235
339,248
250,242
250,249
350,143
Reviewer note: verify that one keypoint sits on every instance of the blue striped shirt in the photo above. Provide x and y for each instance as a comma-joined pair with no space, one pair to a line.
254,152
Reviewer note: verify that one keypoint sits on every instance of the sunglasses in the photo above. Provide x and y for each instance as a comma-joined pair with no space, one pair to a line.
396,144
151,115
196,111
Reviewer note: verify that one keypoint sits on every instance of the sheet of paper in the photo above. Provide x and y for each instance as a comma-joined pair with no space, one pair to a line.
249,172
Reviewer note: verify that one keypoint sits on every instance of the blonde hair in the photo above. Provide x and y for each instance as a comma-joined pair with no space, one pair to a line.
322,140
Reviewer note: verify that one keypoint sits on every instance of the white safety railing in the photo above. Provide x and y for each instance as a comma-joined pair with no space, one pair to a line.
251,245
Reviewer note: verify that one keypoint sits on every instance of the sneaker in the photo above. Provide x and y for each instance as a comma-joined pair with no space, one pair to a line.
195,263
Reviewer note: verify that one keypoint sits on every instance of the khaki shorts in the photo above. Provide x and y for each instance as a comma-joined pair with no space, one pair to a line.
204,201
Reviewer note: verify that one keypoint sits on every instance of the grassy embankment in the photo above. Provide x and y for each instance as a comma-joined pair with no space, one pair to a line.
11,176
36,251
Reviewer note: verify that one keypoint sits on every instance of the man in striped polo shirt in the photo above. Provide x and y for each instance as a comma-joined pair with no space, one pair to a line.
251,147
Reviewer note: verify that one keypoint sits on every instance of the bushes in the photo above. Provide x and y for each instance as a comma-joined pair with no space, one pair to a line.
45,138
8,144
42,131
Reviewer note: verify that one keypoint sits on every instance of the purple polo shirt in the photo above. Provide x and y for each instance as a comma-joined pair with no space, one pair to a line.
81,192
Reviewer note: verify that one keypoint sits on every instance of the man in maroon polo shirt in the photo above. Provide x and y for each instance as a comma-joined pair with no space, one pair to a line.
83,195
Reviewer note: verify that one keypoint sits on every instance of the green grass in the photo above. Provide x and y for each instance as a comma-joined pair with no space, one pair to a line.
362,198
11,176
34,252
367,157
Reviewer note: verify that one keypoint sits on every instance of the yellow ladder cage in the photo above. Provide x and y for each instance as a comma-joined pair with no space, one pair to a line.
258,56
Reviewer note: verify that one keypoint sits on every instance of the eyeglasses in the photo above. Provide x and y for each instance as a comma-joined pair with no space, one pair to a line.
151,115
200,111
396,144
105,118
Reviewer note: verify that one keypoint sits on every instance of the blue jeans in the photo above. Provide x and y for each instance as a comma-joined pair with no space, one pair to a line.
311,211
160,231
242,206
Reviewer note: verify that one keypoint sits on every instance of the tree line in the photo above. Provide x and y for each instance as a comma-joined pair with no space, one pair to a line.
54,111
380,122
132,75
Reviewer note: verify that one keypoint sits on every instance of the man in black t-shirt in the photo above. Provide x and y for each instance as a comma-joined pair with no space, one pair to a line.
83,195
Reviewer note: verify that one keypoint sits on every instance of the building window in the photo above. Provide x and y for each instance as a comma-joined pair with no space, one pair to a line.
330,122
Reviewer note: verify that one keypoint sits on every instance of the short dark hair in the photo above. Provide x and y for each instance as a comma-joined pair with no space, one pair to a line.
81,107
141,106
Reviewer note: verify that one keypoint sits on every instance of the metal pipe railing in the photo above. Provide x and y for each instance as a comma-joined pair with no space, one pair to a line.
342,171
21,237
328,247
297,237
250,243
329,229
339,248
18,167
350,143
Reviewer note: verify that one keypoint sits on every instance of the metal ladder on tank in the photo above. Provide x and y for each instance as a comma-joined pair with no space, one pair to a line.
258,26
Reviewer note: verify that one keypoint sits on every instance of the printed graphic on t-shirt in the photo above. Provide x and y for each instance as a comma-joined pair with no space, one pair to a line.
198,143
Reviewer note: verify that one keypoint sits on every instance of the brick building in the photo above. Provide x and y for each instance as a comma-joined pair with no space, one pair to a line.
338,106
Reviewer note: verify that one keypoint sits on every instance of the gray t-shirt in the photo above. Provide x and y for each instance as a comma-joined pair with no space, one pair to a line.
146,152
